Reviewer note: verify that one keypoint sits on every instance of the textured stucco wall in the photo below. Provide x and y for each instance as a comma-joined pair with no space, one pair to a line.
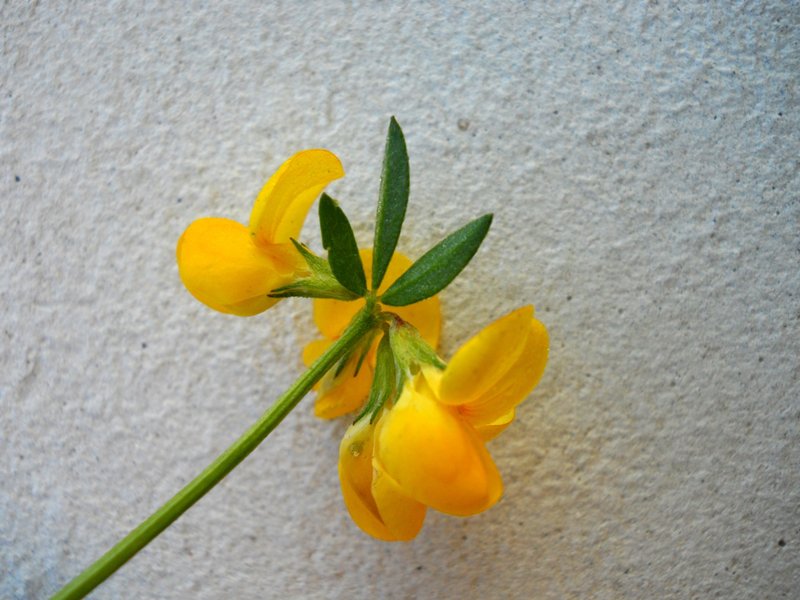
642,162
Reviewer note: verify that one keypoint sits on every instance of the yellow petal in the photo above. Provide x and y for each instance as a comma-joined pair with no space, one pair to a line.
332,316
282,204
516,383
401,515
345,393
314,350
221,267
485,359
355,477
434,456
342,394
489,431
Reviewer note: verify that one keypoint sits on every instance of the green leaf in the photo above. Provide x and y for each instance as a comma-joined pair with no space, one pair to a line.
339,241
439,266
392,201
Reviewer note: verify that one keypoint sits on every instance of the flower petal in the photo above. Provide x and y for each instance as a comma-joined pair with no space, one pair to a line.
282,204
332,316
342,394
337,396
486,358
516,383
435,457
314,350
489,431
355,477
221,267
401,515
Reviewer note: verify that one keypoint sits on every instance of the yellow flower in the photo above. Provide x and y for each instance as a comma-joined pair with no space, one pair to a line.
231,268
428,449
343,393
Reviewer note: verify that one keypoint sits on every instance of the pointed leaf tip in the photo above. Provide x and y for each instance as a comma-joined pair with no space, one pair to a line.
392,201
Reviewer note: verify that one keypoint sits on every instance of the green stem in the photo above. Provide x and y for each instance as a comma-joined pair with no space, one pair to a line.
224,464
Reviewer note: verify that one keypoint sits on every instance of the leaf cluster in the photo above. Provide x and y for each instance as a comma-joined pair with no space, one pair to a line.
431,273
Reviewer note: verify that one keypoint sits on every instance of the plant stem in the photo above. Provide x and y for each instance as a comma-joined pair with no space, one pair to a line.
137,539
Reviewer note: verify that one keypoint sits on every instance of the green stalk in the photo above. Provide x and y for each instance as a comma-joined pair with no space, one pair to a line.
224,464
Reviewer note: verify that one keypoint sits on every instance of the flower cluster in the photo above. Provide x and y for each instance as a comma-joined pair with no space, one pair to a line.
419,438
428,449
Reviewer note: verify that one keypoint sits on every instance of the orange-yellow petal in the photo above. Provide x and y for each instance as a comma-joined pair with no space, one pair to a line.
282,205
489,431
221,267
434,456
339,394
401,515
486,358
314,350
333,316
516,384
344,394
355,477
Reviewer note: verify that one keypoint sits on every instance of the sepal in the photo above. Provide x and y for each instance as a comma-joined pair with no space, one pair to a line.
384,382
411,351
321,282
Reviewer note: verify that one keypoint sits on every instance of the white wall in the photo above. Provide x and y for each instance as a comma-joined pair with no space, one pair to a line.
642,163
